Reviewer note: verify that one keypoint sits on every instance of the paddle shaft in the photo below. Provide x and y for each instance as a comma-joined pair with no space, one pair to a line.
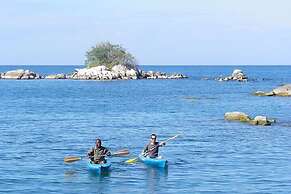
118,153
70,159
164,141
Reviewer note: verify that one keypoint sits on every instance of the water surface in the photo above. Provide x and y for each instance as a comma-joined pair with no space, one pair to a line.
41,121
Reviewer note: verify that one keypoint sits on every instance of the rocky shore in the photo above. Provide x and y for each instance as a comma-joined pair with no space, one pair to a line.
243,117
118,72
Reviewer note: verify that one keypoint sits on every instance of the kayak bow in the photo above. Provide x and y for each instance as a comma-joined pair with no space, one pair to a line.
98,168
155,162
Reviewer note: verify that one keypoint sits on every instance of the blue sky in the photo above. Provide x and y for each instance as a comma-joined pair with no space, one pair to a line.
188,32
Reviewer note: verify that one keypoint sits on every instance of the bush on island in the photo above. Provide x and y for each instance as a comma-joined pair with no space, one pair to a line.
109,55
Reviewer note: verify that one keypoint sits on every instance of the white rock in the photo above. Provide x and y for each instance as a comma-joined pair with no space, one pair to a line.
236,72
120,70
131,73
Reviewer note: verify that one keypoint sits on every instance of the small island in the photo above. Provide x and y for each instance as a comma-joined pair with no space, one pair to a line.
105,61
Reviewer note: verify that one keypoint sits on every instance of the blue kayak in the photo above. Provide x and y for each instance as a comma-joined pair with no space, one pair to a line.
155,162
98,168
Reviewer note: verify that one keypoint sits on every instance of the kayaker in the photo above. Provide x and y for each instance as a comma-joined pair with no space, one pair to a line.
152,149
97,154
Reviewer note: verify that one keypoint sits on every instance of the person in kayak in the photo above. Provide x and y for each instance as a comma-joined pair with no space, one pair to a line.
97,154
152,149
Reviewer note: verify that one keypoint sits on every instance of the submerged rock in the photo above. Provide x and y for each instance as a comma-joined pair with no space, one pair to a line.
237,75
20,74
284,90
242,117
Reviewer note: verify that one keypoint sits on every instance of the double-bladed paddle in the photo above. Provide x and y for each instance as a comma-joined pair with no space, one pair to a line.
70,159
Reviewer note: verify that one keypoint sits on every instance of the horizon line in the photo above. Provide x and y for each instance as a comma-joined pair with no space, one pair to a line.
158,65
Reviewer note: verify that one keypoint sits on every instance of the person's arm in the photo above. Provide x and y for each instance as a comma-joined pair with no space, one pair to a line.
107,152
162,144
145,150
90,154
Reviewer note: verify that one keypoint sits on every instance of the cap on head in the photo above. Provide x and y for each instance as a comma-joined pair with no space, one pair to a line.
153,136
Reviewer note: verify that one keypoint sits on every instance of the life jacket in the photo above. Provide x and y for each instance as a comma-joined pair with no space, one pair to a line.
99,153
153,150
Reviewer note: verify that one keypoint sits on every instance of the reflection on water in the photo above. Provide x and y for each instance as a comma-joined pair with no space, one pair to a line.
155,178
70,173
99,182
98,175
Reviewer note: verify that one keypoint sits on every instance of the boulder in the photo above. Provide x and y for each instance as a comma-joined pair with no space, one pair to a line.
14,74
237,116
236,72
120,70
261,120
242,117
20,74
131,73
284,90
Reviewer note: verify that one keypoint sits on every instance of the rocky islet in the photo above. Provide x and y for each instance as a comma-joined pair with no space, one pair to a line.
118,72
237,75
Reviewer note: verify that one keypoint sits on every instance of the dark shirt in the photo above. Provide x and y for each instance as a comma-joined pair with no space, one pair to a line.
152,150
97,155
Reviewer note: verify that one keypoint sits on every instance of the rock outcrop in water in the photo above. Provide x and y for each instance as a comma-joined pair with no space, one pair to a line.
161,75
119,72
94,73
104,73
56,76
237,116
20,74
237,75
242,117
284,90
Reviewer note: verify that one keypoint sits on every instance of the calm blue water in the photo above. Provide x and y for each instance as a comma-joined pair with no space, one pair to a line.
42,121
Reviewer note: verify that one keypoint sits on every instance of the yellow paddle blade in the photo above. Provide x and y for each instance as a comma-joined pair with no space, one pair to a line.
70,159
131,161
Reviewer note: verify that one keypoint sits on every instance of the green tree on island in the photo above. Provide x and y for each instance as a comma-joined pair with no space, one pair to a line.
109,55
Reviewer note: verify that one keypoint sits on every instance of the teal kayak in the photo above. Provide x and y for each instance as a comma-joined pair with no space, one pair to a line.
98,168
155,162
